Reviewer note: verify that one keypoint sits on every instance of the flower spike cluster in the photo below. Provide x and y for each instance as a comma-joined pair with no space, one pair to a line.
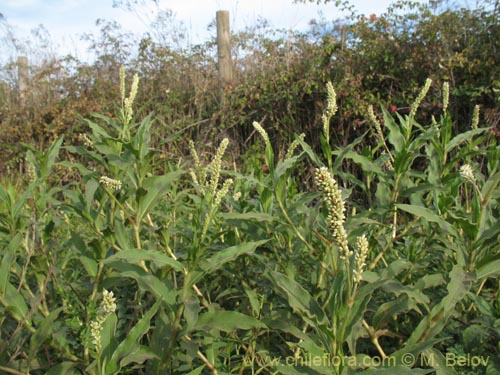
467,173
336,210
216,166
110,183
293,146
446,96
475,117
262,132
360,258
330,110
420,97
107,307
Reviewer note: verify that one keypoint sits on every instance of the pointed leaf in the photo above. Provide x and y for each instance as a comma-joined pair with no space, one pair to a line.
298,298
216,261
136,256
8,257
65,368
139,356
226,321
427,215
130,345
155,188
395,137
43,332
146,281
462,137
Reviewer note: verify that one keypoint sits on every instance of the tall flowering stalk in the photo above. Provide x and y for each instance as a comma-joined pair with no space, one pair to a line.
214,196
262,133
216,166
293,146
269,153
107,307
475,117
336,211
360,258
380,134
420,97
467,175
330,110
446,96
198,175
127,103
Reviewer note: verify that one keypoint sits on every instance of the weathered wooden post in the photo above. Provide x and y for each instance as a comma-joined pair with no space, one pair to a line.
224,51
22,77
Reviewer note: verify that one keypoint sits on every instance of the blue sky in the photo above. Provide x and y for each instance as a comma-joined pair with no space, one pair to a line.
67,20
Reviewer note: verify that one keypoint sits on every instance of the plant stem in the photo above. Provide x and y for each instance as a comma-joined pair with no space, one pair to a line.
374,339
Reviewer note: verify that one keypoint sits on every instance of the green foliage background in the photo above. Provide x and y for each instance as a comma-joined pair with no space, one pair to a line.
216,236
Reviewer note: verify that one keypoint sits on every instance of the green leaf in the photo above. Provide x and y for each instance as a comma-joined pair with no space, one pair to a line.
253,298
98,130
197,371
142,139
489,269
434,322
108,338
85,256
462,137
437,361
312,155
490,185
136,256
298,298
269,156
247,216
14,303
226,321
81,168
428,215
216,261
284,166
395,137
8,257
191,309
155,187
389,311
50,157
65,368
266,199
121,234
365,163
131,346
140,356
430,281
146,281
90,188
43,331
357,311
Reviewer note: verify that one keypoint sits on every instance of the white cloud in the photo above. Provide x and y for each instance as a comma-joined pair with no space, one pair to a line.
7,4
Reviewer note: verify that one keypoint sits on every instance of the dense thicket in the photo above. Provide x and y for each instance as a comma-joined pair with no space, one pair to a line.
279,75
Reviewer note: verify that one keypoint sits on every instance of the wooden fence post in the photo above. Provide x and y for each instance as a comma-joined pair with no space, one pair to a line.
224,50
22,77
